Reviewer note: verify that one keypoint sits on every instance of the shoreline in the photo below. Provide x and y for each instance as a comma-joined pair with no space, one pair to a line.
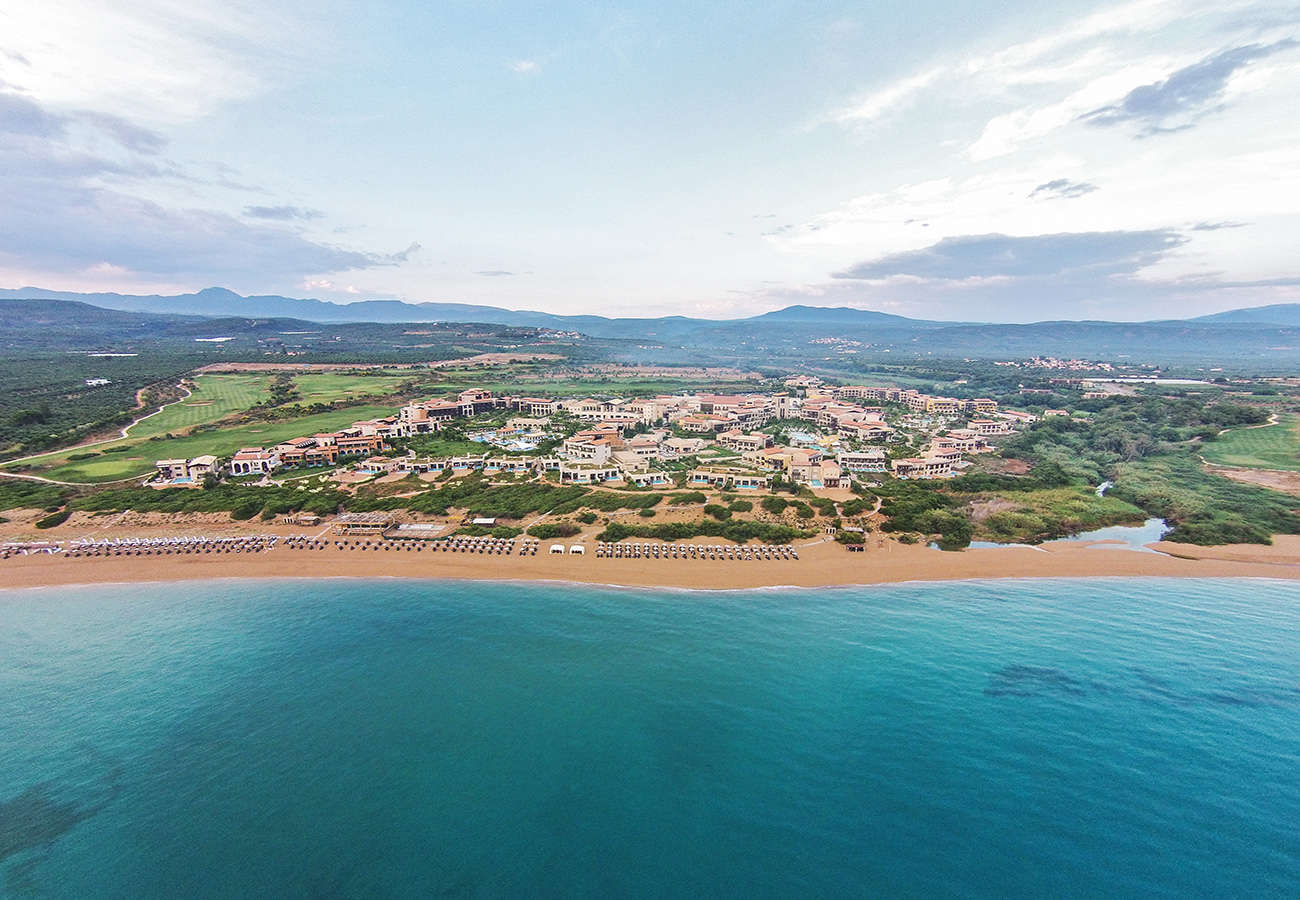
825,564
665,588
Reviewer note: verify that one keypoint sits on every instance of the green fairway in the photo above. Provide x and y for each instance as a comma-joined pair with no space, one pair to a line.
214,398
328,387
1267,447
139,459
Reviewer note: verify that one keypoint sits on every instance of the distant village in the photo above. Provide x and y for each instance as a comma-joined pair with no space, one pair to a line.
825,437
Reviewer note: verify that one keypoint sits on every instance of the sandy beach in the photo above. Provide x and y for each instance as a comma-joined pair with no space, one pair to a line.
820,564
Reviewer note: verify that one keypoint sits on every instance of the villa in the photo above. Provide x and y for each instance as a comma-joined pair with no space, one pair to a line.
929,467
254,461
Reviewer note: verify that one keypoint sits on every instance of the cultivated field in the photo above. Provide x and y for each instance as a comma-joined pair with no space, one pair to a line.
1267,447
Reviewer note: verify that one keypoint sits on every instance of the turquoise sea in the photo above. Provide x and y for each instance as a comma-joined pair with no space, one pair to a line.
1062,738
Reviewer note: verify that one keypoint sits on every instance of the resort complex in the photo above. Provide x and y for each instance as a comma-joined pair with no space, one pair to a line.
811,434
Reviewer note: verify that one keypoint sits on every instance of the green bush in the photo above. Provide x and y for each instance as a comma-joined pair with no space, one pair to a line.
734,530
774,505
741,506
718,512
851,537
54,519
23,494
245,509
589,518
548,530
647,514
689,497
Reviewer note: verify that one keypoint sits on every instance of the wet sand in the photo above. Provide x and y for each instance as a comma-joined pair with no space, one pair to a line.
820,564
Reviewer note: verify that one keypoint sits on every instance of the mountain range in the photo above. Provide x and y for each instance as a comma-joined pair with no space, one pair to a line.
792,334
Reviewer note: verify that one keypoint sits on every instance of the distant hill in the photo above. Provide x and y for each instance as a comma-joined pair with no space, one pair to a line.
1277,314
839,315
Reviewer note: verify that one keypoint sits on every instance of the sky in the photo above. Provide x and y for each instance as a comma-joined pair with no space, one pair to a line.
1000,161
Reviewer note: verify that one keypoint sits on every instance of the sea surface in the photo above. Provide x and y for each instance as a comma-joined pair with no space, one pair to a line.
392,738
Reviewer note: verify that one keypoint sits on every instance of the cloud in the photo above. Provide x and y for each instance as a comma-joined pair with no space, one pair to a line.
63,227
494,273
1062,189
23,116
526,66
1186,96
1034,256
158,61
282,213
401,256
67,209
875,105
1218,226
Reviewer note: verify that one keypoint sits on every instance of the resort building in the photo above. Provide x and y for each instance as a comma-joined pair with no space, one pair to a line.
871,459
508,464
672,448
701,423
647,478
180,471
363,523
729,478
915,467
587,473
254,461
743,443
865,430
1016,417
537,407
964,440
821,474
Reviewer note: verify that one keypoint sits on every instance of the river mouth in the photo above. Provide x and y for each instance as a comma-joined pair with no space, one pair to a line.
1113,537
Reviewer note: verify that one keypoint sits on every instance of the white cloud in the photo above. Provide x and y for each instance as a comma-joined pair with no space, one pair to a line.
526,66
891,98
156,61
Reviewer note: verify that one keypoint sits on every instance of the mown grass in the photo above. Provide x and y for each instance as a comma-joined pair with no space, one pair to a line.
1267,447
214,398
329,387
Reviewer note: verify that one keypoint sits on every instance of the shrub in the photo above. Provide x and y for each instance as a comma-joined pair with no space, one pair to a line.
589,518
54,519
245,509
855,507
718,512
689,497
774,505
548,530
735,530
741,506
75,456
647,514
851,537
